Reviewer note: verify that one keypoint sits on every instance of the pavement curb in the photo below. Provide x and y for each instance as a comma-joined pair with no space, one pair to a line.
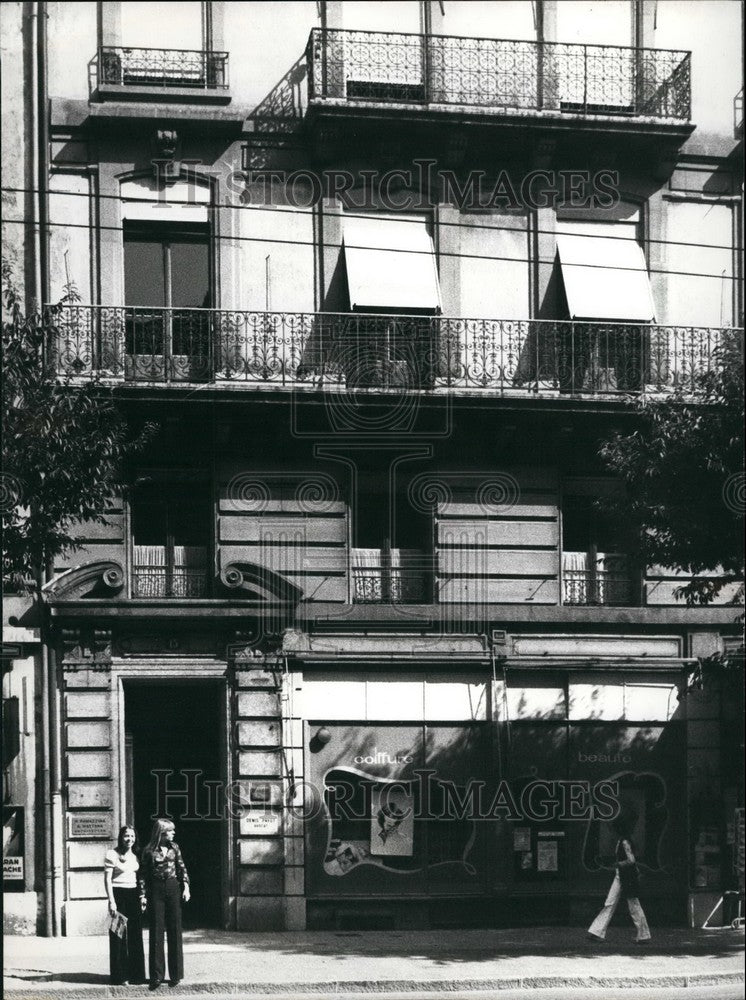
75,992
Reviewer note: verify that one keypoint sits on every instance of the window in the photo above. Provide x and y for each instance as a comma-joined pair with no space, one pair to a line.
608,296
166,282
170,540
390,266
594,567
380,53
596,67
392,544
163,45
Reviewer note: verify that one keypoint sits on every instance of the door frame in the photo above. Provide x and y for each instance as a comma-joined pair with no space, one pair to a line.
164,671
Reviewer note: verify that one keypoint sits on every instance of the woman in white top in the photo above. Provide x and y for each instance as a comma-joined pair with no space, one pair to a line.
121,877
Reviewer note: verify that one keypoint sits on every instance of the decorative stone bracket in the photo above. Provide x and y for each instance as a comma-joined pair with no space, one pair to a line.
259,583
98,579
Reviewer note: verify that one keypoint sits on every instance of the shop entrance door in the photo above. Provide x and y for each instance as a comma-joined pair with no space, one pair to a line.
177,727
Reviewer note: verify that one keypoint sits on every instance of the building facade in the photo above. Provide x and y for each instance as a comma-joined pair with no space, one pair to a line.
385,275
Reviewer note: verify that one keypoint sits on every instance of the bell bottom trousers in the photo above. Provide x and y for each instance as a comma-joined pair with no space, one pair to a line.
126,955
164,904
601,923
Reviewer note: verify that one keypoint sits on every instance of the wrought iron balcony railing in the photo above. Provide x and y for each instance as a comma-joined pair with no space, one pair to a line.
590,578
169,571
150,581
400,353
489,73
135,67
390,576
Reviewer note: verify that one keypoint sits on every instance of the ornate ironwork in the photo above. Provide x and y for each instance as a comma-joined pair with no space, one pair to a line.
136,67
605,580
383,582
496,73
359,352
600,588
156,581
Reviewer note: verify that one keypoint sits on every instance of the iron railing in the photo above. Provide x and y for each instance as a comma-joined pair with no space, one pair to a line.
136,67
169,571
390,576
403,353
500,74
155,581
595,580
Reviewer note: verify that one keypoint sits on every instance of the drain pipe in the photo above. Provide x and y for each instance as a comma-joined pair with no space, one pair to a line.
46,763
32,300
53,686
33,304
53,888
43,153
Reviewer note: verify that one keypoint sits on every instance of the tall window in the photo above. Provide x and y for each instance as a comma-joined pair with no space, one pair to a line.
167,278
392,282
600,77
392,543
608,295
164,45
595,567
170,540
163,25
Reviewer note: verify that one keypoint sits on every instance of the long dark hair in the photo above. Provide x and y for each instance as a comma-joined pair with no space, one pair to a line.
121,846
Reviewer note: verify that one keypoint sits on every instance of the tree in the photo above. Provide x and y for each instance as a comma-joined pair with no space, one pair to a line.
64,445
683,476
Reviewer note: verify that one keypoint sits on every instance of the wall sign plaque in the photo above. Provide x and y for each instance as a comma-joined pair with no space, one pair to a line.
94,825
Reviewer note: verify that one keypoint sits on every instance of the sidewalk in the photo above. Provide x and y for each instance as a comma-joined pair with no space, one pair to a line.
326,962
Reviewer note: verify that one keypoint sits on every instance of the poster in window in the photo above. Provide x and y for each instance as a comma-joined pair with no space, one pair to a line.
392,823
547,856
13,847
522,838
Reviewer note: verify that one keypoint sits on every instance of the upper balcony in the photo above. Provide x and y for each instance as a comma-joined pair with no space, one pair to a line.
525,80
131,81
433,355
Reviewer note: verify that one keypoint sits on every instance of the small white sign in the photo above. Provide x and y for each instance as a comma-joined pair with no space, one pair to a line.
261,823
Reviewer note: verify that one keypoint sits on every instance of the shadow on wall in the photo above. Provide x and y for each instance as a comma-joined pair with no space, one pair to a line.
277,117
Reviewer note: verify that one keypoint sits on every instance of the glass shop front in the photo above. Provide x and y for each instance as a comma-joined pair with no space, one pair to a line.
503,818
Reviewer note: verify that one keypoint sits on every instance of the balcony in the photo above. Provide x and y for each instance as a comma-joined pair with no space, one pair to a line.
595,578
390,576
163,571
489,75
359,352
162,68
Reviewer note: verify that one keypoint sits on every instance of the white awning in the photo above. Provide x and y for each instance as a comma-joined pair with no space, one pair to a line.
605,278
390,263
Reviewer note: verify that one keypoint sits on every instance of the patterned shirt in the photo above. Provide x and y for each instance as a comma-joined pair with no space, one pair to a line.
164,864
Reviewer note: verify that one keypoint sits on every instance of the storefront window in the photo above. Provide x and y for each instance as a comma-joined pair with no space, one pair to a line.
519,803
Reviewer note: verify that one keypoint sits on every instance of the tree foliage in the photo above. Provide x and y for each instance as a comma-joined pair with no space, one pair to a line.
64,445
683,473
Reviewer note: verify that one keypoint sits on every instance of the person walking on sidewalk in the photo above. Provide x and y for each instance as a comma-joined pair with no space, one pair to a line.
165,884
626,885
121,868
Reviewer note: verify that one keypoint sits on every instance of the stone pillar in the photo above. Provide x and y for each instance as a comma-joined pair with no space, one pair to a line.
294,797
89,799
257,723
705,809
